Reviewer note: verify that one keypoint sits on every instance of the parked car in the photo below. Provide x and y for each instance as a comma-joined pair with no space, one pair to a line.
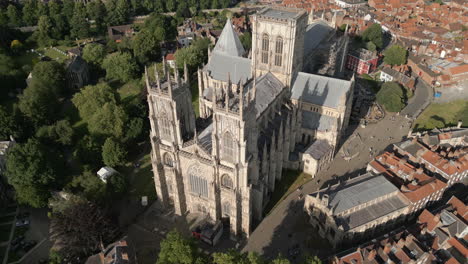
22,222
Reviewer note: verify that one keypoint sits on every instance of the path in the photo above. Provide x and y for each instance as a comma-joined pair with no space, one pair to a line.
423,96
280,225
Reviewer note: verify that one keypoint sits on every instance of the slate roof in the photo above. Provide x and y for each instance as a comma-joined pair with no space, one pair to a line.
319,90
268,89
278,13
317,121
318,149
220,64
205,139
229,43
358,191
315,33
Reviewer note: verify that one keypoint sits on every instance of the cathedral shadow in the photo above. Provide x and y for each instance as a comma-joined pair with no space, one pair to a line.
295,238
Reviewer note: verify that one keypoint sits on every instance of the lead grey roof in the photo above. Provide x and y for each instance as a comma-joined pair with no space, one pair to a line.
371,212
319,90
317,121
318,149
205,139
268,89
229,43
355,192
315,33
220,64
278,13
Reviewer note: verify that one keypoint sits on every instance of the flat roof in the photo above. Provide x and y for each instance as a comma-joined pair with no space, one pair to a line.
278,13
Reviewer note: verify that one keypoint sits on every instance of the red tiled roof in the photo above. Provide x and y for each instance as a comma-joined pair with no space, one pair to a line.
170,57
459,69
428,219
462,209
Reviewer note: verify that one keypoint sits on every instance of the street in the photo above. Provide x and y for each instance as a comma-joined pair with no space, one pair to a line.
287,222
422,98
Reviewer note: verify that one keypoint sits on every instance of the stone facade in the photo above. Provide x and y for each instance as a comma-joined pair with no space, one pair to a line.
226,163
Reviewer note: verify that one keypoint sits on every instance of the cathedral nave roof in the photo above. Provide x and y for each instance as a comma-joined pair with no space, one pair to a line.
219,65
268,89
319,90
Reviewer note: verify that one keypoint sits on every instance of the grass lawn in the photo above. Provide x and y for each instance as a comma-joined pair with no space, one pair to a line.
290,181
130,90
53,54
195,102
142,183
442,115
5,232
6,219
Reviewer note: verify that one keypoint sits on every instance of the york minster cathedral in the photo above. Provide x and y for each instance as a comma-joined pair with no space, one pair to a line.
259,114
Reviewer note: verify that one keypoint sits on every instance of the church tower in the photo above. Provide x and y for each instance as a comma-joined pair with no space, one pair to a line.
278,42
172,120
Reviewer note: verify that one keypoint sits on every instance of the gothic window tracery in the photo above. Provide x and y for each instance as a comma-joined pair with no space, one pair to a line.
226,181
164,127
265,48
229,149
279,52
198,184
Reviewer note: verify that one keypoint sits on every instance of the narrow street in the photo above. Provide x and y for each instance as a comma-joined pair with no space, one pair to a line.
287,222
423,96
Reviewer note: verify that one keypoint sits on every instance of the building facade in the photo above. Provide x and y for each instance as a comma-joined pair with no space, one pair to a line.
362,61
224,165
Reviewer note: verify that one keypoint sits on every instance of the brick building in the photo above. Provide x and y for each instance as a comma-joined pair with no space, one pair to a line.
362,61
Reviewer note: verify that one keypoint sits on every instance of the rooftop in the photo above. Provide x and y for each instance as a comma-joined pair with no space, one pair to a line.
280,13
320,90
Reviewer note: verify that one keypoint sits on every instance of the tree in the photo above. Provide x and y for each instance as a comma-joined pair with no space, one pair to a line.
42,9
175,249
39,102
30,13
312,260
14,16
171,5
205,4
94,53
395,55
89,151
194,55
146,46
89,184
122,11
44,31
16,46
32,170
60,132
68,9
246,40
371,46
59,20
97,11
79,24
120,66
214,4
280,260
113,153
8,125
74,217
374,34
225,3
52,73
110,120
233,256
93,97
391,97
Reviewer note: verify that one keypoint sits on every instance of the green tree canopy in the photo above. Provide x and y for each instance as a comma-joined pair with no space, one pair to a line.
32,171
91,98
176,249
89,184
60,132
39,102
8,125
194,55
89,150
395,55
110,120
391,97
120,66
97,11
233,256
51,73
371,46
246,40
79,23
94,53
30,13
113,153
146,45
44,31
14,16
374,34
